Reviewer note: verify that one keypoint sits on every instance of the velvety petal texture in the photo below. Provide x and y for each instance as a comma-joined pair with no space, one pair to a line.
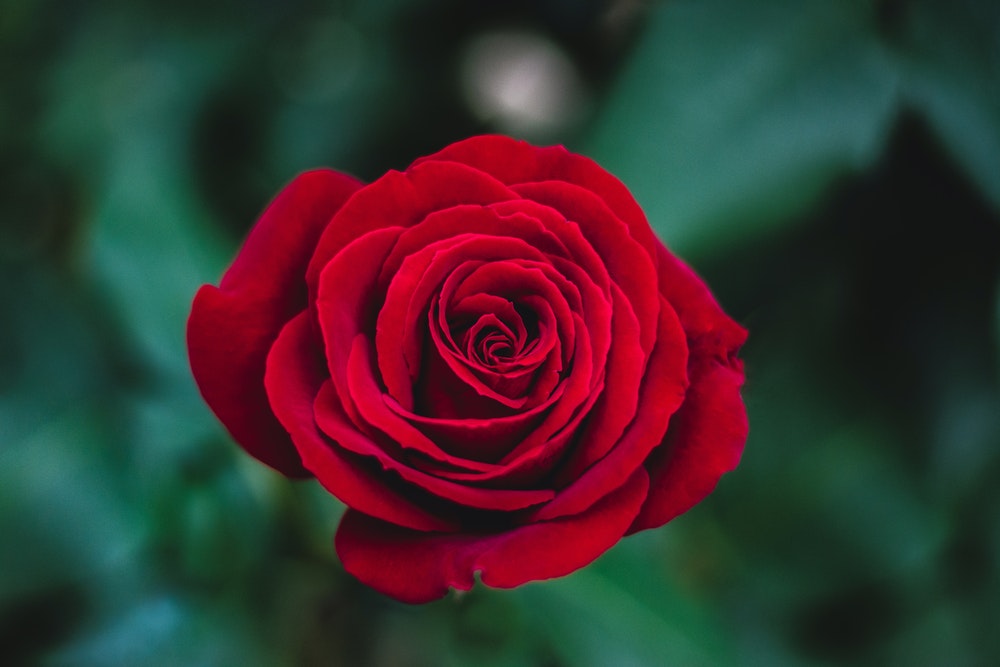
489,357
232,326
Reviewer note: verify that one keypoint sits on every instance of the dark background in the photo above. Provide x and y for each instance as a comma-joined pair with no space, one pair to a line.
831,167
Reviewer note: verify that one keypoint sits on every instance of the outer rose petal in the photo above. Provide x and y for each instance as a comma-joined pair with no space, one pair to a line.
231,327
419,567
402,200
512,162
294,377
705,441
697,309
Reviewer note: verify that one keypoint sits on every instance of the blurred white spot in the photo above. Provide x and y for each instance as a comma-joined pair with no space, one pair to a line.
522,84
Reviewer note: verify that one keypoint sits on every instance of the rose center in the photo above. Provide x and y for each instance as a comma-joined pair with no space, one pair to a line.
496,340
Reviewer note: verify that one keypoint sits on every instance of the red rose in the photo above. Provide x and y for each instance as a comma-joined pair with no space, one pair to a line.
489,358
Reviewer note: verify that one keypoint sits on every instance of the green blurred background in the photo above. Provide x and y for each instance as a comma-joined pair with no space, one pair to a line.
832,167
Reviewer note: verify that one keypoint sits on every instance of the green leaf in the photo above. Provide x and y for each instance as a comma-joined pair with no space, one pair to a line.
123,121
165,630
951,65
623,610
732,116
64,513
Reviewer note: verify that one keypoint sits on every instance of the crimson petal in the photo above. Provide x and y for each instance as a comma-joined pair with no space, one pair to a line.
331,419
416,567
699,312
512,162
705,441
294,376
231,327
628,263
662,391
402,200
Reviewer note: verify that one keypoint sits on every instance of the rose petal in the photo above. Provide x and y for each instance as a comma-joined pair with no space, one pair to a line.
501,356
503,219
345,306
414,566
479,440
513,162
522,283
578,250
663,390
402,200
705,441
293,378
402,321
399,336
623,381
697,309
231,328
628,263
543,446
370,402
332,421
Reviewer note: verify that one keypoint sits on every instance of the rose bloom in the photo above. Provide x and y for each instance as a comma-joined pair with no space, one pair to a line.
488,357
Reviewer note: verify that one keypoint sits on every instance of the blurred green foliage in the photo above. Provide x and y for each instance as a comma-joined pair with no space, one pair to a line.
831,166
